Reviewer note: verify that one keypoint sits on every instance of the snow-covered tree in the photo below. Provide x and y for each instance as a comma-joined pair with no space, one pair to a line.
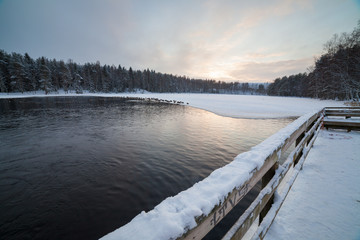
17,73
65,76
30,71
77,85
45,77
335,74
2,82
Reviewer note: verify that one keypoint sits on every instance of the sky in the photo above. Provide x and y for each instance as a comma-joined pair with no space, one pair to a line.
246,41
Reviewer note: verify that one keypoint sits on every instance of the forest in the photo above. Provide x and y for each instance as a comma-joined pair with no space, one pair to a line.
21,73
335,74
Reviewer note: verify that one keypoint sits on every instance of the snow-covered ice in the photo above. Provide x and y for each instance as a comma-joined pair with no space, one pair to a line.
251,106
324,202
240,106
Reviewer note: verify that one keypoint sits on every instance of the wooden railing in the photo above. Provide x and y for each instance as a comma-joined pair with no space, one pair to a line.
342,117
271,175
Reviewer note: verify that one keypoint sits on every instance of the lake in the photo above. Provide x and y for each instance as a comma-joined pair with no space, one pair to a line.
80,167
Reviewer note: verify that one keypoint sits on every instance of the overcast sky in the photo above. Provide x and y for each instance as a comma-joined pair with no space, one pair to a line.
248,41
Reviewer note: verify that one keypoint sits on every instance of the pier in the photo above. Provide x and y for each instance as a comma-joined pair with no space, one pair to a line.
324,201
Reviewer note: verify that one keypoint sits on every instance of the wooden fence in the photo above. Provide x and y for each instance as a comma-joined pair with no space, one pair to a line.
342,117
270,175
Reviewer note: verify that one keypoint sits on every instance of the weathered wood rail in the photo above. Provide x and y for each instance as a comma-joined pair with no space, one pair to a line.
342,118
271,174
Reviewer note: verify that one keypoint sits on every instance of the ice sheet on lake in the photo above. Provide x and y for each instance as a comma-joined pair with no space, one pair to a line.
241,106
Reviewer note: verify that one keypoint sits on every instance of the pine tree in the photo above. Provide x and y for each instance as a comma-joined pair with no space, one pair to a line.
131,80
93,79
2,82
3,71
99,80
30,70
77,84
17,73
65,76
45,77
105,79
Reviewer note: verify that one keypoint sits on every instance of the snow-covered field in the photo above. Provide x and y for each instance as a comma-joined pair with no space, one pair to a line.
324,202
240,106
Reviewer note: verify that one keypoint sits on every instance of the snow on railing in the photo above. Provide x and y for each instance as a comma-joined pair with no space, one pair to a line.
294,163
191,214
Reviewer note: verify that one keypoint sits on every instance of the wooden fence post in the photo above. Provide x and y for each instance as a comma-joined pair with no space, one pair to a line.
298,140
264,181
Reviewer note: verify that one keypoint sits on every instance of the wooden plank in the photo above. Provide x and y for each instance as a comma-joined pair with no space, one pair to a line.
353,114
341,108
344,111
343,114
250,218
299,131
342,123
345,124
264,182
219,212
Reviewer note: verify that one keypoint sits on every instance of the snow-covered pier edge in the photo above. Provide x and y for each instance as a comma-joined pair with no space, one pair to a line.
192,213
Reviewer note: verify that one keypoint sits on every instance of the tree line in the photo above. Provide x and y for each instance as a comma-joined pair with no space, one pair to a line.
21,73
335,74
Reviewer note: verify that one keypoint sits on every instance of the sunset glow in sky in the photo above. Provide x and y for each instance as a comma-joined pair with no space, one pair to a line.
248,41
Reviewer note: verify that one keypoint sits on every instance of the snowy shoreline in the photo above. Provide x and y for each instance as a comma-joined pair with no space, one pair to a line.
237,106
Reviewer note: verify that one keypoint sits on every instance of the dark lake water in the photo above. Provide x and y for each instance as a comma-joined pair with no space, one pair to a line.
80,167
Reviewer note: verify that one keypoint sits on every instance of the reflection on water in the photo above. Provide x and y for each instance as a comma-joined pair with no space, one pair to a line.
78,168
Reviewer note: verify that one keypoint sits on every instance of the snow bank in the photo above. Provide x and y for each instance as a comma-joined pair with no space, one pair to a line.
172,217
251,106
240,106
324,202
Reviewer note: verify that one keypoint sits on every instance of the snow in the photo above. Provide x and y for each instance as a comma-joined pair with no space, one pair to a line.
324,202
286,171
177,214
240,106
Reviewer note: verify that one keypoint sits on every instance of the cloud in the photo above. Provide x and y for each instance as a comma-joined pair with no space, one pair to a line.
239,17
205,38
261,55
268,71
210,50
